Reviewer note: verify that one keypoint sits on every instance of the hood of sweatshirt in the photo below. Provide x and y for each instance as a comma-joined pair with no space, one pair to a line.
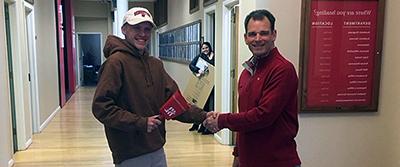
115,44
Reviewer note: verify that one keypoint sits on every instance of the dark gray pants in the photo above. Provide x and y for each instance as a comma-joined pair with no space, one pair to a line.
153,159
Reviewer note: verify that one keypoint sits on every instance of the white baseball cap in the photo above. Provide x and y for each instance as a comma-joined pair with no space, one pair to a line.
138,15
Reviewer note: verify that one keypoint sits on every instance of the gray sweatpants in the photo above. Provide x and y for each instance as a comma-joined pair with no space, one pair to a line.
153,159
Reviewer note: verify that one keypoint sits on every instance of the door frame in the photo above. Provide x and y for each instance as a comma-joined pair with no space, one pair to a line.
30,28
209,35
78,54
11,76
20,63
225,136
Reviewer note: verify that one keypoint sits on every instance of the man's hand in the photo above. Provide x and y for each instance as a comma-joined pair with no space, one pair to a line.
212,114
211,123
152,123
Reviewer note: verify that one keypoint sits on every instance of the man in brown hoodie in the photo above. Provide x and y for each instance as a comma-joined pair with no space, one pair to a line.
132,88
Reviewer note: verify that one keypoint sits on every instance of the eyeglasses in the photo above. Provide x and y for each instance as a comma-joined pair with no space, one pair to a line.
254,34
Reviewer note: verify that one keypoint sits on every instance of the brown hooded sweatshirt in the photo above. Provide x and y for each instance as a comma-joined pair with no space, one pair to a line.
131,88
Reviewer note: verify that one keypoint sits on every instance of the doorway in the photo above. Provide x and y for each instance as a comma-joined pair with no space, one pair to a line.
234,31
30,32
209,20
89,58
11,76
229,64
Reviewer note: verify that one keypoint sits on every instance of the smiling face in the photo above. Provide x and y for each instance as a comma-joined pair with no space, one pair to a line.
259,37
205,49
138,35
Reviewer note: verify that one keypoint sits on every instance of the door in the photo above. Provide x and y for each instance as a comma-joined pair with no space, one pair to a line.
11,77
90,57
234,61
79,63
32,70
210,28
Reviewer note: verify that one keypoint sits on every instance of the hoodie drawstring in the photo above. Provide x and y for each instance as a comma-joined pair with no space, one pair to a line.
148,76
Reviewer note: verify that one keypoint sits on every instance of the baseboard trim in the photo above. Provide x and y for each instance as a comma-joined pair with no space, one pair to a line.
48,120
218,138
10,162
28,143
223,137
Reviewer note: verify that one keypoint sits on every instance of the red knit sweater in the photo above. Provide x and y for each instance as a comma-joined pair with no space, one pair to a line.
267,122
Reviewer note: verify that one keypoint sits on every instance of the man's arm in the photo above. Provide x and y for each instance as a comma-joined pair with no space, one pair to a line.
105,107
194,114
275,96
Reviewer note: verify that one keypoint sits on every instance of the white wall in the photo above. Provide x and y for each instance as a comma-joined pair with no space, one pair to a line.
352,139
47,61
178,15
93,17
5,115
245,7
90,9
390,92
92,25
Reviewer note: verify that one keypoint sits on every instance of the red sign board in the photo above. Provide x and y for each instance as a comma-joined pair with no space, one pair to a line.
175,106
342,49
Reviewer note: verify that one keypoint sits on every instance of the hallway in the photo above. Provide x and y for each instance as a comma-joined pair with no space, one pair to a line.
75,138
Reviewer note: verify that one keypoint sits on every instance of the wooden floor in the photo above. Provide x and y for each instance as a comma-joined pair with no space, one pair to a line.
74,138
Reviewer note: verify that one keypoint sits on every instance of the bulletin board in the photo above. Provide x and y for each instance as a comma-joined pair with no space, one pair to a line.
181,44
340,56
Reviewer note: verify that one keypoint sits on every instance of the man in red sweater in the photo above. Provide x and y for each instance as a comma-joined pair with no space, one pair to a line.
267,122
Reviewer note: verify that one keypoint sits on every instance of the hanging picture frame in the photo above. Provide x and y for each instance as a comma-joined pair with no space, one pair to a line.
193,6
208,2
181,44
340,55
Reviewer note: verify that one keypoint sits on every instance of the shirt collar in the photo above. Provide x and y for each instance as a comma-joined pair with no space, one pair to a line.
251,64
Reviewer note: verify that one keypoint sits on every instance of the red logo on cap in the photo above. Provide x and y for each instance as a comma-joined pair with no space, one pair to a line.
142,12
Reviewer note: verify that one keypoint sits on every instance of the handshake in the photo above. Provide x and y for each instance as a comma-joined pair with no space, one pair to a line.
211,122
175,106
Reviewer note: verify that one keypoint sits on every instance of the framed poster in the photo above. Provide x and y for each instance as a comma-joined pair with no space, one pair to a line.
199,87
181,44
208,2
193,6
161,13
30,1
340,55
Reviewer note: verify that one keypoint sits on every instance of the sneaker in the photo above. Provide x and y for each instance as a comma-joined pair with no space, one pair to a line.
194,127
206,132
201,129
